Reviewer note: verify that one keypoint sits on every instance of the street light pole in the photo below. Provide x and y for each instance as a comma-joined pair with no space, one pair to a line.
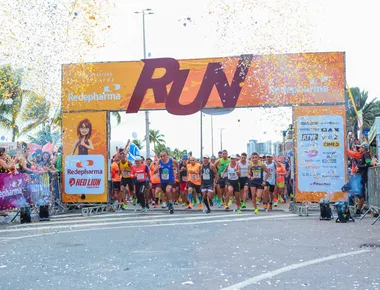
212,136
200,158
221,138
147,130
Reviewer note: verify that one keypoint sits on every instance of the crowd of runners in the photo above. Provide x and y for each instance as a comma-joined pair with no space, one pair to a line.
210,182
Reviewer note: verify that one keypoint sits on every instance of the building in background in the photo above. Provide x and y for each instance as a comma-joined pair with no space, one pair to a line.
267,147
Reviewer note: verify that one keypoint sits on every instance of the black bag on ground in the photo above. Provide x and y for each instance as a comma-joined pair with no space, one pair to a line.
326,212
343,211
44,212
25,217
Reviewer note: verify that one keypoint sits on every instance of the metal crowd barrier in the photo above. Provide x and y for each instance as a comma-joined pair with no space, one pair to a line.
373,193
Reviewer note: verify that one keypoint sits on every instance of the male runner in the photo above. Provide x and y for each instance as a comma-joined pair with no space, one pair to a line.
183,179
126,180
115,179
243,165
270,184
233,173
221,165
194,180
257,180
209,176
166,166
140,172
156,182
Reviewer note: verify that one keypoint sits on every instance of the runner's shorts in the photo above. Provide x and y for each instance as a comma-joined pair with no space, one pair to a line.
155,185
234,184
140,187
197,188
207,187
280,184
164,185
270,186
243,181
256,185
128,182
222,182
116,185
183,186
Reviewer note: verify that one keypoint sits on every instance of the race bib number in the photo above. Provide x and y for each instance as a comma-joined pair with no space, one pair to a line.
127,174
193,177
165,174
140,176
206,176
256,174
157,175
232,175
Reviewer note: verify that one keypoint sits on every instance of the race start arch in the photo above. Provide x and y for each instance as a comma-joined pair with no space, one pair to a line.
312,83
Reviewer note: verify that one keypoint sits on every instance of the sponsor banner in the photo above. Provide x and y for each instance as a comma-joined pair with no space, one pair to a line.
85,171
84,174
321,157
184,87
14,191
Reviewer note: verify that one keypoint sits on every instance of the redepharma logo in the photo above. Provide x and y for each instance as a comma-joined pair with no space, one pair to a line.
110,93
84,174
313,87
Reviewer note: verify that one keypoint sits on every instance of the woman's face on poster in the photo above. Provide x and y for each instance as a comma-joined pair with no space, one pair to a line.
46,157
84,130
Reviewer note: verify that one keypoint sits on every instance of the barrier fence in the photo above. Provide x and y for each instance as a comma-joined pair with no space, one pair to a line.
29,190
373,193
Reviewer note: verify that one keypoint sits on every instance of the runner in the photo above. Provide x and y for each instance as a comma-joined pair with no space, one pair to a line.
257,180
140,172
233,189
156,186
183,179
209,177
280,183
176,186
270,184
194,181
148,192
166,166
116,197
221,165
125,167
243,179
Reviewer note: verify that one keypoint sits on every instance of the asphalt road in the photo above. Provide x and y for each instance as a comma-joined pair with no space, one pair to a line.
190,251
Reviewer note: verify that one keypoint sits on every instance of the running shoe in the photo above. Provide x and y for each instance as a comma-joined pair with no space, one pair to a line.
176,203
164,205
171,208
208,211
256,210
230,202
238,211
243,205
155,206
188,206
200,206
125,206
144,210
147,205
270,206
265,206
134,201
226,207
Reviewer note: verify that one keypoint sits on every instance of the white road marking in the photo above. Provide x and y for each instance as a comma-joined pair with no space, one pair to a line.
291,217
147,219
271,274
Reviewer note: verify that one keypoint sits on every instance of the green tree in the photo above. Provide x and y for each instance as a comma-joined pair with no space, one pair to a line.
156,138
20,110
138,143
117,116
44,136
370,109
162,147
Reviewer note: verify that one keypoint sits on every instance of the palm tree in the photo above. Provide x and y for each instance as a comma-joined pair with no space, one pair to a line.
162,147
138,143
156,138
18,106
117,116
45,136
370,110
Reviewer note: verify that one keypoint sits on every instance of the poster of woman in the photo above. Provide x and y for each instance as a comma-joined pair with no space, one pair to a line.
85,155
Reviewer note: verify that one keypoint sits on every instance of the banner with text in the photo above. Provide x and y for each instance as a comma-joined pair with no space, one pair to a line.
321,156
84,139
184,87
14,191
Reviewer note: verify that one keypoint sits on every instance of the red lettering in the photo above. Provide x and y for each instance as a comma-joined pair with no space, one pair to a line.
214,76
81,182
94,182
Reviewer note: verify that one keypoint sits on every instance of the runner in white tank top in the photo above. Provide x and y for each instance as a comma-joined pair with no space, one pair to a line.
270,184
243,179
233,188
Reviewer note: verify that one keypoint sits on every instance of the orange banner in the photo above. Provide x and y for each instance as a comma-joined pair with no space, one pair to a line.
321,153
84,139
184,87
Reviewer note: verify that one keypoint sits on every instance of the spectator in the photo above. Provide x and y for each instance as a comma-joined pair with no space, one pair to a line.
362,168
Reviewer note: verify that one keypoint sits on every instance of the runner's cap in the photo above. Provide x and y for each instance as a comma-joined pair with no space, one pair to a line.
233,156
220,152
261,155
138,158
365,146
206,156
185,157
268,155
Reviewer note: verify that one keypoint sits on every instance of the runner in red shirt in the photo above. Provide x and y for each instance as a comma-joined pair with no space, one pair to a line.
140,172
